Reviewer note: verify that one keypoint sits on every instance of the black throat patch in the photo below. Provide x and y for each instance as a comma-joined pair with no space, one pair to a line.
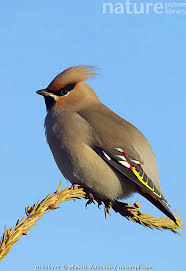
49,102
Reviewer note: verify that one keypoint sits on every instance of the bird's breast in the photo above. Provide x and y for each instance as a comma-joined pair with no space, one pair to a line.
69,138
66,135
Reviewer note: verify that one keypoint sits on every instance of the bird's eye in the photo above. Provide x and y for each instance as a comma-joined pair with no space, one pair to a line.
64,91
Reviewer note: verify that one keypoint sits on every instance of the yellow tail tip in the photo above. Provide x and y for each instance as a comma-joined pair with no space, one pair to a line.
179,224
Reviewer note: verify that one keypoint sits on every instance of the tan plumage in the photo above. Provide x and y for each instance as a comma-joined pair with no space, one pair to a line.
72,75
84,136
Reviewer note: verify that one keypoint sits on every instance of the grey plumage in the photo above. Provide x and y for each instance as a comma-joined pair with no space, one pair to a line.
78,124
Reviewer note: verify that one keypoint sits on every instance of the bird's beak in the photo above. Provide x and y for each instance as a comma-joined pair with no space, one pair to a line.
42,92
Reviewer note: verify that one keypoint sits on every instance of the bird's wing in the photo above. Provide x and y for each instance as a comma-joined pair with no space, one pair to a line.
118,159
126,150
111,131
110,128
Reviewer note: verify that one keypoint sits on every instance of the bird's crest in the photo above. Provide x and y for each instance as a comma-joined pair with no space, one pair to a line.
74,74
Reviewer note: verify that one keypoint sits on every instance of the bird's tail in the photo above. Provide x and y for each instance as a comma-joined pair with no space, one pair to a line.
132,212
161,206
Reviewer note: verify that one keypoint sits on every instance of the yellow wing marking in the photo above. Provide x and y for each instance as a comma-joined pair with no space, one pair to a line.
142,181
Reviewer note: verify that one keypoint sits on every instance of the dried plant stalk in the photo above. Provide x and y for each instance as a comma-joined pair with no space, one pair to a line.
36,211
132,212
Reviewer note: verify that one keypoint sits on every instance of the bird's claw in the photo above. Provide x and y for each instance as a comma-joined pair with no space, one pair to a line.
92,198
89,201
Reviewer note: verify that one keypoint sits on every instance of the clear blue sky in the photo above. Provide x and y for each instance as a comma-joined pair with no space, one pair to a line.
142,65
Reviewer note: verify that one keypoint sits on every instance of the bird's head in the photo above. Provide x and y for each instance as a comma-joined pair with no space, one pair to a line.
67,91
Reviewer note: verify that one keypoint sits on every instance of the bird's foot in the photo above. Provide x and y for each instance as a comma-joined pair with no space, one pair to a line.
91,197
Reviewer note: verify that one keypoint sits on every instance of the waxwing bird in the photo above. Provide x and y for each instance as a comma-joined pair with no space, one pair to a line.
96,148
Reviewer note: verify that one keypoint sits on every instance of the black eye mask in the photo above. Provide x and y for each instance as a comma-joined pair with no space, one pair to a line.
63,91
